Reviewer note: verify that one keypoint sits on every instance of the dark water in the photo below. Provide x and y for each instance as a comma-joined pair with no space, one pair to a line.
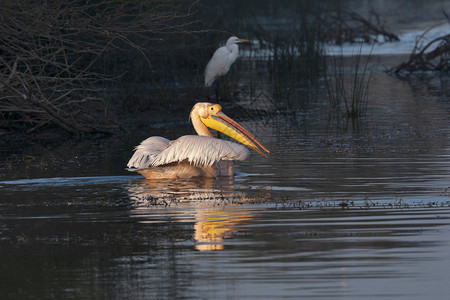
334,213
341,210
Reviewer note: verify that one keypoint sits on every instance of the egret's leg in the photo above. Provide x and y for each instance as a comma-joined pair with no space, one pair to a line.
217,90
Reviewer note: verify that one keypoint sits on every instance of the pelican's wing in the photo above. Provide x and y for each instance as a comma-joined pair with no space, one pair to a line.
147,151
217,66
200,150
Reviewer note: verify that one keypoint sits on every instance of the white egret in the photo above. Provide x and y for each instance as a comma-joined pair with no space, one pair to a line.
222,60
193,156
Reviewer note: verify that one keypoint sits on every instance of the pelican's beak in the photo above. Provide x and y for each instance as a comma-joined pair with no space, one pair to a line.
243,41
221,122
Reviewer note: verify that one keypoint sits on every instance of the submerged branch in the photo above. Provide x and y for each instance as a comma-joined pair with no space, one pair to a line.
422,59
435,60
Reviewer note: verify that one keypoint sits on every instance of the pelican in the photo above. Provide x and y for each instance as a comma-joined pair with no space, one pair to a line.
199,155
222,60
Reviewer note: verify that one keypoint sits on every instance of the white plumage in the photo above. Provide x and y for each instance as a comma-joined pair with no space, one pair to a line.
147,152
196,155
197,150
222,60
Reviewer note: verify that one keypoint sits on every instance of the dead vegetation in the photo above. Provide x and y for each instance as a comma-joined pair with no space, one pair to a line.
341,27
427,56
55,56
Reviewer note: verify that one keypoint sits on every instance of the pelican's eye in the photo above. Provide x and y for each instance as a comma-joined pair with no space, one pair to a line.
214,109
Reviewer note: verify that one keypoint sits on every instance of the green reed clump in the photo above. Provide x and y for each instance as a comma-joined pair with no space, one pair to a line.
350,90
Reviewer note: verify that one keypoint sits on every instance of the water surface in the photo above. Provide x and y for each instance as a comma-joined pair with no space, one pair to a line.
341,210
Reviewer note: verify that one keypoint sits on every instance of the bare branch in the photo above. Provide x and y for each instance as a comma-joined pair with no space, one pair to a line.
52,56
421,59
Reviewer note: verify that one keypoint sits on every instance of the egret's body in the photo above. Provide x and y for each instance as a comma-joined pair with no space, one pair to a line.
196,156
222,60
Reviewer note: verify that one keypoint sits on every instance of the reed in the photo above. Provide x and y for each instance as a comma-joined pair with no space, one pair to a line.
285,62
350,91
295,66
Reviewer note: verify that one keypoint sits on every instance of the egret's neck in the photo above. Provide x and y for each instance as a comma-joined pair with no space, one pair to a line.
234,50
200,128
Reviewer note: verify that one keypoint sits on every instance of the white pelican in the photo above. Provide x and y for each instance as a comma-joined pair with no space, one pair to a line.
222,60
192,155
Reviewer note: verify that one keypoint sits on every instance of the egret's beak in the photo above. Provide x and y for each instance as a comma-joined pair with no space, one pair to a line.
228,126
243,41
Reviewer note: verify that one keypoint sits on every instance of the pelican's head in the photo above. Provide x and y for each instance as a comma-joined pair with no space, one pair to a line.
234,40
211,115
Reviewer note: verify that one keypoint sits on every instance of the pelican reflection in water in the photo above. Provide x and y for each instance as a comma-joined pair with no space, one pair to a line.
217,209
196,156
